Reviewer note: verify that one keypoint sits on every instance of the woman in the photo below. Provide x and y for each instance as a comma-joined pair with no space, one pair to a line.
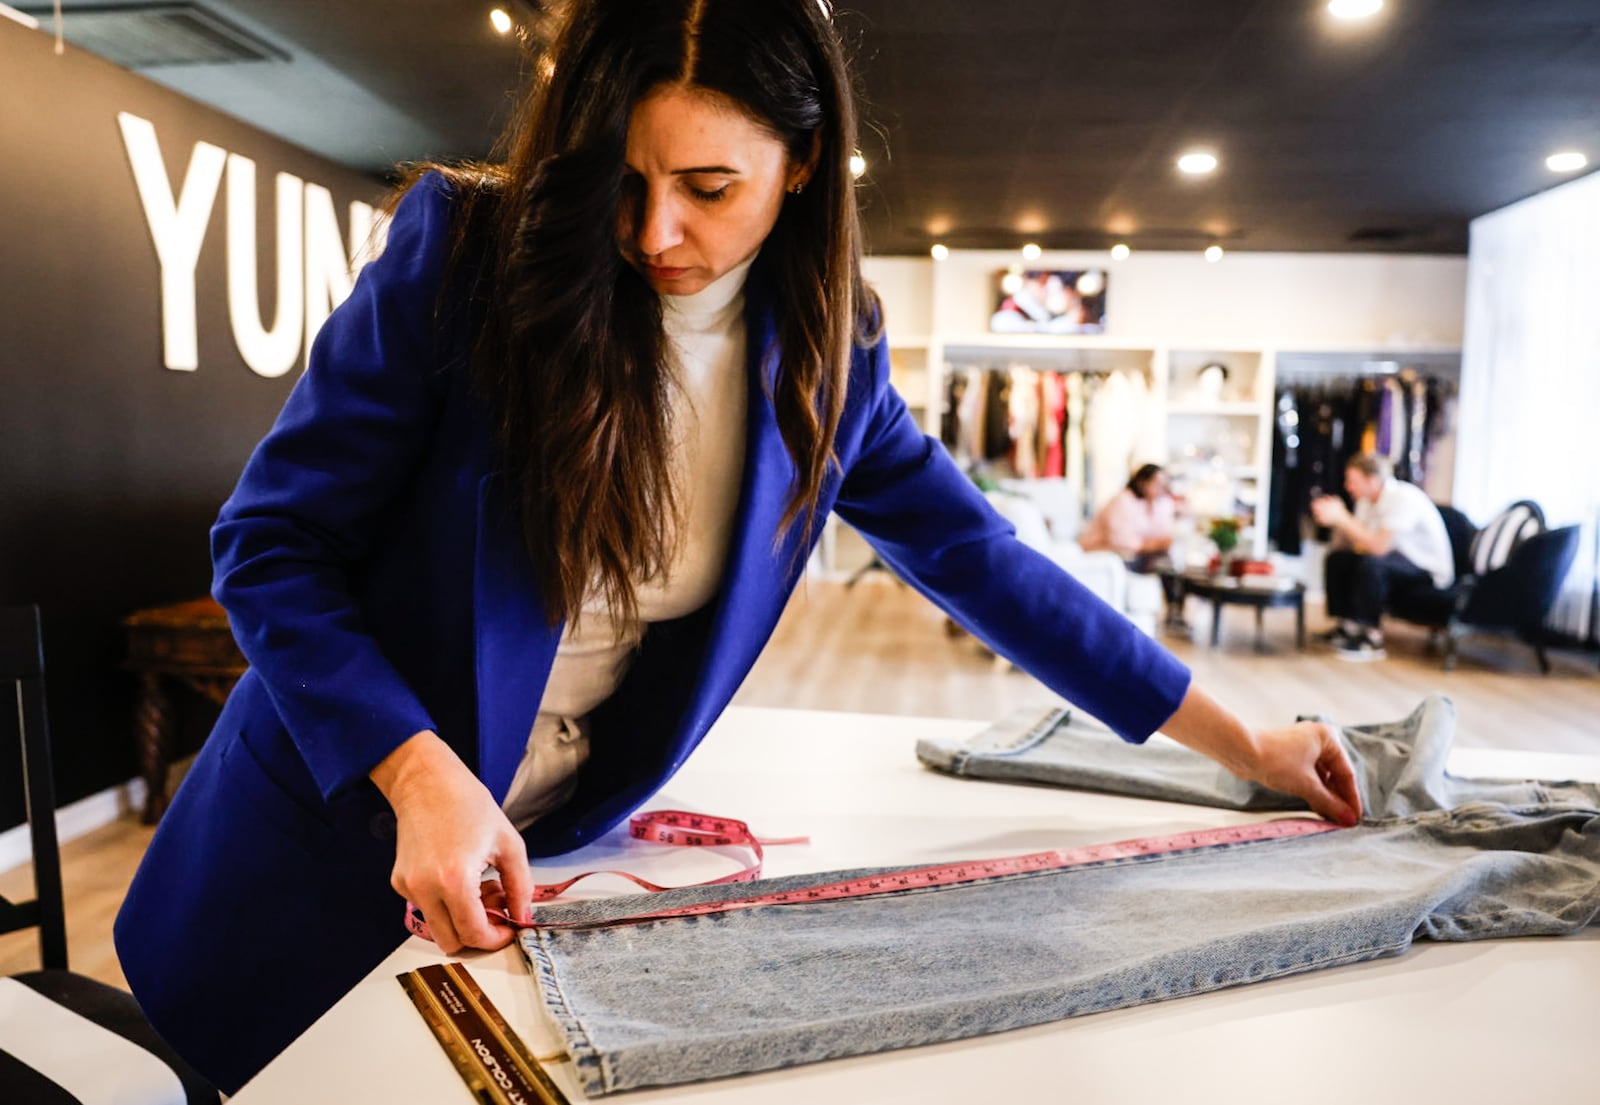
554,469
1136,522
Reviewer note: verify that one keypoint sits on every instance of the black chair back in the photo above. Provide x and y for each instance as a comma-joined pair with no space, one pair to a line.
1520,595
22,681
1461,530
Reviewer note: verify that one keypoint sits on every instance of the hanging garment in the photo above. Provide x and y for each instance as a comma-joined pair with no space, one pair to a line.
1440,450
1439,859
1054,423
1290,497
1110,435
1024,421
1395,418
997,417
1382,442
970,418
955,386
1150,438
1417,430
1077,477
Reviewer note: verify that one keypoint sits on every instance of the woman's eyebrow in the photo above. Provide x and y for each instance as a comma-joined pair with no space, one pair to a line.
709,170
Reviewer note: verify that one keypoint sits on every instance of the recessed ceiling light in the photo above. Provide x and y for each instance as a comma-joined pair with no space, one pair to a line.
1120,251
940,252
858,166
501,20
1197,163
1354,9
1032,251
1213,254
1567,161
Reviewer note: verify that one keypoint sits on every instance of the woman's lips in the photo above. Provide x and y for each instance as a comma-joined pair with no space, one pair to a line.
659,272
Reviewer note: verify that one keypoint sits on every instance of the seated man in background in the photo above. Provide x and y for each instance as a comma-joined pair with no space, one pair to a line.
1137,521
1395,537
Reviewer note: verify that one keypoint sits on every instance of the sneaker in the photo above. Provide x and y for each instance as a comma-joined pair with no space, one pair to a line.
1333,638
1361,650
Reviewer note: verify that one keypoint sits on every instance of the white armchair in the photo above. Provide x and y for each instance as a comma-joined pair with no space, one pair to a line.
1046,516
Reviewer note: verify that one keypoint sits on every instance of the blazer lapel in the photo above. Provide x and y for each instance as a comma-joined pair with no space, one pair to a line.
755,584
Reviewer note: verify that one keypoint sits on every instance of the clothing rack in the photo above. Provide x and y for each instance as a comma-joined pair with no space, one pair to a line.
1323,417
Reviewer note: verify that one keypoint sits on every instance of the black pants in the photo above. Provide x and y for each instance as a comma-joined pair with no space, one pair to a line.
1358,586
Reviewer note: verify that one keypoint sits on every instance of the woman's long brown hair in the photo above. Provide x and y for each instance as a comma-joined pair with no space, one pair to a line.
571,360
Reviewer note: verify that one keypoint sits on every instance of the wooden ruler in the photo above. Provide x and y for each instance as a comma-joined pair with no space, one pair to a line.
494,1063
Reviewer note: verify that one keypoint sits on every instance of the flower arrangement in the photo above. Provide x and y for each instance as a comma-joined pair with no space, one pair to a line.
1224,533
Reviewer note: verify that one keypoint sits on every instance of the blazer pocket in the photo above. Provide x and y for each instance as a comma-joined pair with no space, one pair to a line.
293,819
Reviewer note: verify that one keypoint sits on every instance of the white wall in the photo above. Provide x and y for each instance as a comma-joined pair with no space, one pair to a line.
1248,300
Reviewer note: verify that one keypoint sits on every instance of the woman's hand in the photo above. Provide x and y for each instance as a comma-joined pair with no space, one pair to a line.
1304,759
449,829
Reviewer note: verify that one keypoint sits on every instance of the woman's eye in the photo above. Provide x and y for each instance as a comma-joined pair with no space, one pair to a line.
709,196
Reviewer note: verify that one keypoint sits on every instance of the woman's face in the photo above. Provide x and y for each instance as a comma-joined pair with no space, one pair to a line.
703,188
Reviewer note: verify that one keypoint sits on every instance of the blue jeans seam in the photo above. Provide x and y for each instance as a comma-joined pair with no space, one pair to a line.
588,1061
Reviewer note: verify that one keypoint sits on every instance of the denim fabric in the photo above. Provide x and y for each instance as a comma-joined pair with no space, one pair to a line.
1399,766
689,999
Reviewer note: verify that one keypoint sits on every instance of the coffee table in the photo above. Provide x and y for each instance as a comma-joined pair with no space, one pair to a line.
1260,592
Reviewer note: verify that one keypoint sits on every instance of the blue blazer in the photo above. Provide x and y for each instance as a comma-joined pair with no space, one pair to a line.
375,577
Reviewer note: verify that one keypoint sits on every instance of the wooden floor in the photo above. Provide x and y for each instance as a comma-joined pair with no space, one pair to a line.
880,648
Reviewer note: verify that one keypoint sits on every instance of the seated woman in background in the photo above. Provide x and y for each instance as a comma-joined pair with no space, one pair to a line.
1137,522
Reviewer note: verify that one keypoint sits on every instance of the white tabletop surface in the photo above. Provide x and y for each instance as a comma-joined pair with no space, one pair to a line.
1497,1021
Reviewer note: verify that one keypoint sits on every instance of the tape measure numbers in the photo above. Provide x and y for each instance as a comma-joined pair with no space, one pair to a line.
951,874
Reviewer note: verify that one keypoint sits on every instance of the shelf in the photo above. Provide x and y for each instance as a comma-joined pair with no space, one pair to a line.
1046,342
1214,408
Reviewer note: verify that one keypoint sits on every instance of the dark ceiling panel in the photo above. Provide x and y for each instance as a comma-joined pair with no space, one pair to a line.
1058,121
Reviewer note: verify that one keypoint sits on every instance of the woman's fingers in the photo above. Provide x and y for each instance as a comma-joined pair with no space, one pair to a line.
470,920
1340,778
516,877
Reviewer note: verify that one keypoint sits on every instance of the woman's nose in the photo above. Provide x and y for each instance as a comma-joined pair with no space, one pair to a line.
660,228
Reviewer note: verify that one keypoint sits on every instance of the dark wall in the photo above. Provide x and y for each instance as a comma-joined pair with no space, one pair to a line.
112,466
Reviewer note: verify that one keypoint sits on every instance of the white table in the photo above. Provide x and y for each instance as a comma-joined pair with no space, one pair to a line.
1498,1021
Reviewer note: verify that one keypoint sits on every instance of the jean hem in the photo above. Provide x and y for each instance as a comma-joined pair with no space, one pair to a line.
588,1061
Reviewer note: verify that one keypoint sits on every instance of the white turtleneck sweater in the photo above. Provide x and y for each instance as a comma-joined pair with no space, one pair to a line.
706,344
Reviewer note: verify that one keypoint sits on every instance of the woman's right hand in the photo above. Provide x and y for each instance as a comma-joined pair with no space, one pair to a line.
448,829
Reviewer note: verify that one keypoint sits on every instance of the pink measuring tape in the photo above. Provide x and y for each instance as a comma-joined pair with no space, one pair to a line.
920,878
674,827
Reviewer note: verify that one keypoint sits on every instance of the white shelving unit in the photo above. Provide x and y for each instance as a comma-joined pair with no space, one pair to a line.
1218,448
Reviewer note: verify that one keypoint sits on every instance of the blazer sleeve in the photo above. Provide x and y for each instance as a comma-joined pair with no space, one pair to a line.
930,523
306,509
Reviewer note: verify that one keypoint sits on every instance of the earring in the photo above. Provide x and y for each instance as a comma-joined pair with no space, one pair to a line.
797,189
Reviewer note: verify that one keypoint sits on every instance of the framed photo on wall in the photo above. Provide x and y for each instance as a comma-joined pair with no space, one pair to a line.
1050,302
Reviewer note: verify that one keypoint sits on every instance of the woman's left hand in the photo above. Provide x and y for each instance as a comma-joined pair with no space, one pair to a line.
1306,760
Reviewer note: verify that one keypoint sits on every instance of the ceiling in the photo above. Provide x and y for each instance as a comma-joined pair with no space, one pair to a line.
1048,121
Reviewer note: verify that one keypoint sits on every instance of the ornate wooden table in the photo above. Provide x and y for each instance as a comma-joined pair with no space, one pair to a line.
189,643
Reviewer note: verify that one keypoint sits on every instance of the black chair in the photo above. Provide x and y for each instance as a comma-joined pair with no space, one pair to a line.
1514,597
65,1037
1425,604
